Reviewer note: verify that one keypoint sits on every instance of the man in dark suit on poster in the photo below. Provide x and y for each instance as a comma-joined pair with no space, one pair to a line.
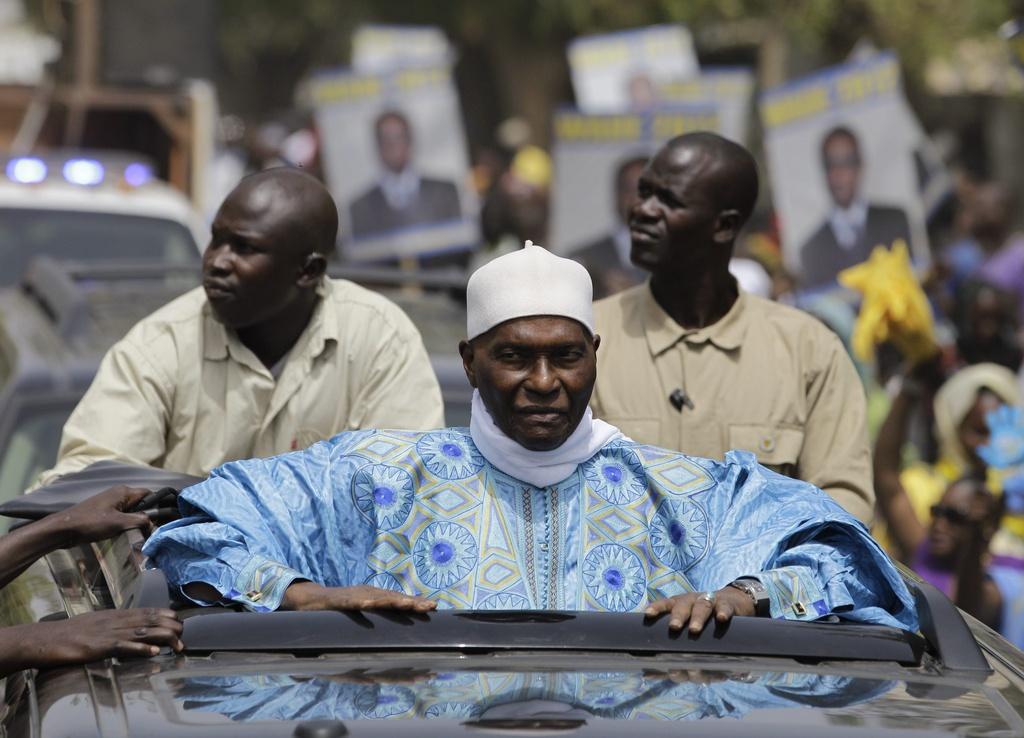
401,197
854,226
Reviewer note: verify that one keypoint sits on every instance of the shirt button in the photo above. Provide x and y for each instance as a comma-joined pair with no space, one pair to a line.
767,444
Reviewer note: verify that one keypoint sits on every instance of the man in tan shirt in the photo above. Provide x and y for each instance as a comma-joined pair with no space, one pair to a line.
690,363
266,357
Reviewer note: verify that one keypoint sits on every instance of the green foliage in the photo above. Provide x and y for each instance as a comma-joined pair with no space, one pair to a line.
272,44
321,28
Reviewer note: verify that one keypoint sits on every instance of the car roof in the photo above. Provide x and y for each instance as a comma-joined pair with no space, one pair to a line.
152,200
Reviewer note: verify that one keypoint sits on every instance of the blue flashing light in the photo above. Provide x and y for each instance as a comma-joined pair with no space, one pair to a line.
137,174
83,171
26,169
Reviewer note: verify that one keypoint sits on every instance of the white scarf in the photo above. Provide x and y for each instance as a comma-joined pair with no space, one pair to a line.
539,468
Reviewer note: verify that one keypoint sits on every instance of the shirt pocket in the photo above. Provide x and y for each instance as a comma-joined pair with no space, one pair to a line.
775,447
641,430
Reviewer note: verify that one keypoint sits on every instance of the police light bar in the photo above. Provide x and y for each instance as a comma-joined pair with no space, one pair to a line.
137,174
26,170
83,171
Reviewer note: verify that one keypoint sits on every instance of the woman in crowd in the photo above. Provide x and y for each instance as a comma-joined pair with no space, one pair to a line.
941,517
959,407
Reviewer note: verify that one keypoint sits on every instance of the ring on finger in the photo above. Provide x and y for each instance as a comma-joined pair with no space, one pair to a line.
709,597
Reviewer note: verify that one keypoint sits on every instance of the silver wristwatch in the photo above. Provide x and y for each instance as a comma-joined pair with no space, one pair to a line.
757,592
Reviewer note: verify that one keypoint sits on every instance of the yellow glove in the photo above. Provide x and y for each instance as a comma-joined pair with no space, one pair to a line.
894,307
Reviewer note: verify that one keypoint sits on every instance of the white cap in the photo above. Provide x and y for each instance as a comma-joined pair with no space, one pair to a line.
525,283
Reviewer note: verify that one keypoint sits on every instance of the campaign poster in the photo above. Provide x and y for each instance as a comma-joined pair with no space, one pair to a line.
617,72
840,150
597,161
382,48
934,181
395,160
729,89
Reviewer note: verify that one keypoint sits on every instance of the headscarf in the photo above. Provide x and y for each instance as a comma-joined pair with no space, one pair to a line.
954,400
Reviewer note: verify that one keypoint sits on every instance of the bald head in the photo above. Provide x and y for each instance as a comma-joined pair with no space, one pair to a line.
694,197
268,251
725,169
294,204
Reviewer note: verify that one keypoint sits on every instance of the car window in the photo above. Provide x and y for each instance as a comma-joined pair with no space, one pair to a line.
89,236
31,448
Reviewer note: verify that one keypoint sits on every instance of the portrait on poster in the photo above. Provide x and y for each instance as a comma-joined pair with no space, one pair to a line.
840,153
395,160
598,160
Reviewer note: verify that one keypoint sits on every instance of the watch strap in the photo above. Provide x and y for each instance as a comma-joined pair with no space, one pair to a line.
757,592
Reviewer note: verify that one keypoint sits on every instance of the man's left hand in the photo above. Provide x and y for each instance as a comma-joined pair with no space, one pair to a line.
697,608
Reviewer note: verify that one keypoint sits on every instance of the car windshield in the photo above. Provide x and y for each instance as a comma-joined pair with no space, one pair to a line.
74,235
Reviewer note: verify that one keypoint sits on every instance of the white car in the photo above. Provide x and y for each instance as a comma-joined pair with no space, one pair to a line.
84,208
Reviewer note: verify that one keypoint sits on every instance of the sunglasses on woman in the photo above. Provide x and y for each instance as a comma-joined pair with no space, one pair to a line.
952,514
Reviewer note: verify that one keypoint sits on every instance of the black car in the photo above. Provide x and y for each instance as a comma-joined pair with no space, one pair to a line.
467,673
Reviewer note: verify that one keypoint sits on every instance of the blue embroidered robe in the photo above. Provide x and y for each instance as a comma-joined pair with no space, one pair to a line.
426,514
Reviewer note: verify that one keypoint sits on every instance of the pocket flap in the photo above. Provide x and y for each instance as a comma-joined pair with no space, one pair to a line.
773,446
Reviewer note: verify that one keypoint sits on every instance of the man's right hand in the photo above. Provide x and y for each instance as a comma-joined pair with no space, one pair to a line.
101,516
90,637
310,596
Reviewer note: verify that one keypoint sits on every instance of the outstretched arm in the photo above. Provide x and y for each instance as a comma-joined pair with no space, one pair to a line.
312,596
257,528
87,638
906,530
974,591
99,517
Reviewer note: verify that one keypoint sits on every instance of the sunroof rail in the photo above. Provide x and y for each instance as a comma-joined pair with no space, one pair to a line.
485,631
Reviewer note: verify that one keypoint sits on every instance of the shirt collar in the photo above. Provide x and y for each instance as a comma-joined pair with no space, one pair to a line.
663,332
848,223
399,189
219,342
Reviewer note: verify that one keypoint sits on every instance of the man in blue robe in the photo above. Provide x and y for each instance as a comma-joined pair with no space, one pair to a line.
536,506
